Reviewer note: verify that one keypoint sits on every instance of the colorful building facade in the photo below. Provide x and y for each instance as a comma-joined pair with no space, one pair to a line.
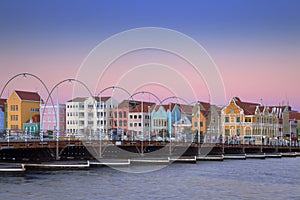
21,106
49,115
244,120
2,114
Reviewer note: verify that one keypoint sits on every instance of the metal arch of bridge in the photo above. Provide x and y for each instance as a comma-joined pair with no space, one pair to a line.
146,92
24,74
113,88
59,83
175,97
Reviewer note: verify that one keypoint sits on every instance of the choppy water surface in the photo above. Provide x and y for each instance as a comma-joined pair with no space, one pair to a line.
245,179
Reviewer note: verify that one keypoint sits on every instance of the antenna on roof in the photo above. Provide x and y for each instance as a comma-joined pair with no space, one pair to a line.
261,101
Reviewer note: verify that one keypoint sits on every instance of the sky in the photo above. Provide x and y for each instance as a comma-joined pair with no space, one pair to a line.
254,44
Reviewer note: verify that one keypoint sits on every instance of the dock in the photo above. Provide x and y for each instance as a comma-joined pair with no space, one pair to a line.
110,163
210,158
273,155
57,165
183,159
9,168
235,156
289,154
256,156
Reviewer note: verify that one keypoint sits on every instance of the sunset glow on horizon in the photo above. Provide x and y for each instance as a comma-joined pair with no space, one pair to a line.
254,44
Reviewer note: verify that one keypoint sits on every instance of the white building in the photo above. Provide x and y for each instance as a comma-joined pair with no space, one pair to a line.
88,116
139,118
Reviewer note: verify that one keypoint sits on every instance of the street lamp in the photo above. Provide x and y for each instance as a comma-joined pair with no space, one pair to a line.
149,122
198,115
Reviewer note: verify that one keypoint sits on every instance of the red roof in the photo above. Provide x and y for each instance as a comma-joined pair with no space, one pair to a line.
138,107
82,99
294,115
35,119
28,96
2,102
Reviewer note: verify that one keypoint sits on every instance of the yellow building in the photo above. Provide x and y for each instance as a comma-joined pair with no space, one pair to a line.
21,106
242,120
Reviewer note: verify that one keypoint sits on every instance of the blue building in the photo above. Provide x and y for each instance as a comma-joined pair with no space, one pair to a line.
2,114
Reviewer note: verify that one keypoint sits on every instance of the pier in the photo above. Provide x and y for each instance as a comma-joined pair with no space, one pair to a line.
51,150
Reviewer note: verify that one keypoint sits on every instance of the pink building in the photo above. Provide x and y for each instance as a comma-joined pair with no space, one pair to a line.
48,119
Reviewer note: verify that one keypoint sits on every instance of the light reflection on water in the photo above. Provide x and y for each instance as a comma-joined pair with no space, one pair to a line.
246,179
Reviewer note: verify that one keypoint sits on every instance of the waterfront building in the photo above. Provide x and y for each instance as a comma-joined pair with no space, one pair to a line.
2,114
294,118
182,129
89,116
206,119
139,118
159,120
120,116
49,115
21,106
199,117
251,121
32,126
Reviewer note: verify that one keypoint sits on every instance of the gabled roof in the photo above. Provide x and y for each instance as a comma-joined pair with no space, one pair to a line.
28,96
184,121
138,107
294,115
35,119
103,99
249,108
78,99
185,108
82,99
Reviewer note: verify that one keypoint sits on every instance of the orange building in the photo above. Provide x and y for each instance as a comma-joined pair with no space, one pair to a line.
21,106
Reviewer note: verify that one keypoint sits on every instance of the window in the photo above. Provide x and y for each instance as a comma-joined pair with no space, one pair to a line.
140,124
125,123
226,132
120,122
116,114
238,133
130,124
135,116
227,119
14,117
140,116
231,111
14,127
124,113
201,124
195,124
120,114
248,132
238,119
14,108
